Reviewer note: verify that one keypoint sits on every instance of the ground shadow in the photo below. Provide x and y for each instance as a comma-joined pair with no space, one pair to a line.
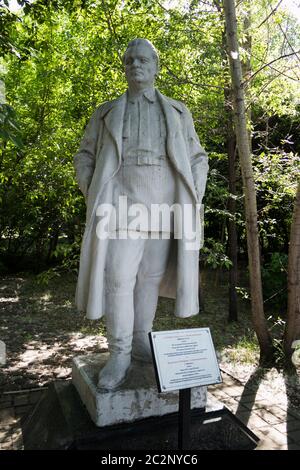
248,397
291,423
292,385
43,331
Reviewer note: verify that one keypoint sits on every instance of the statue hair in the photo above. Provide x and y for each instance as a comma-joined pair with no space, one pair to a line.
136,42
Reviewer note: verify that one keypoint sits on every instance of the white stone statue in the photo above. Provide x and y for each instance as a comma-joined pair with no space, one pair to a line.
142,149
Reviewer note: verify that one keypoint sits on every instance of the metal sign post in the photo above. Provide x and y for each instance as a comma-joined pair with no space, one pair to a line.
184,424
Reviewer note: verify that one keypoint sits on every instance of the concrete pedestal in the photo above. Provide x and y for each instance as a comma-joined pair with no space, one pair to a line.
60,421
137,398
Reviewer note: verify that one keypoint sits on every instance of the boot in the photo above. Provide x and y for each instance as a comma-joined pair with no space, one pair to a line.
119,325
114,372
141,350
145,303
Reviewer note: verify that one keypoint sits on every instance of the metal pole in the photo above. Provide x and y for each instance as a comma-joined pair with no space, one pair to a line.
184,429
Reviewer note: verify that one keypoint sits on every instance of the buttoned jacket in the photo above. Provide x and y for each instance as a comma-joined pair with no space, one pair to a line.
98,160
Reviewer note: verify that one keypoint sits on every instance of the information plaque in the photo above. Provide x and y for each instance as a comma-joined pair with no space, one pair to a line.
184,359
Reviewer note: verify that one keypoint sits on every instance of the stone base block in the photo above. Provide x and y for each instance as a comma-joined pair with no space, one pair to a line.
60,421
137,398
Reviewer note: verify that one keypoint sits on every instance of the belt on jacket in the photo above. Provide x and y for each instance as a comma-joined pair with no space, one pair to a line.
161,160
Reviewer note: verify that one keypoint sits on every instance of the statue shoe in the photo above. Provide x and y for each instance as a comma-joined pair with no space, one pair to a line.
114,372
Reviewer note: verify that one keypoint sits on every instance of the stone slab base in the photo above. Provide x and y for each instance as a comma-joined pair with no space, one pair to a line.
59,421
137,398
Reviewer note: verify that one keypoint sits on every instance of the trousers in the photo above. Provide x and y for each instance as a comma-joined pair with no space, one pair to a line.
134,270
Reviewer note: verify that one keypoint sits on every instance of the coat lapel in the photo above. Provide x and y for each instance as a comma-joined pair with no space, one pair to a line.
172,117
176,145
114,121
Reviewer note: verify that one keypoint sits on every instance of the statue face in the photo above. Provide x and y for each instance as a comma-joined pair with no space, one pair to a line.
140,66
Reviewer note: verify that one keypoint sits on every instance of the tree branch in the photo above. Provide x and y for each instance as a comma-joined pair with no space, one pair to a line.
217,4
187,81
272,12
111,27
288,41
280,72
269,64
263,88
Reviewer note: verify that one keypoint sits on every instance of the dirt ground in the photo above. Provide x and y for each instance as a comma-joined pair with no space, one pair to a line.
43,332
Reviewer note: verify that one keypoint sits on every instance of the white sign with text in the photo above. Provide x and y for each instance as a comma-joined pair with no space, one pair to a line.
185,358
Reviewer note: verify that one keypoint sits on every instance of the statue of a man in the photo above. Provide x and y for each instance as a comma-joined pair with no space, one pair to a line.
141,147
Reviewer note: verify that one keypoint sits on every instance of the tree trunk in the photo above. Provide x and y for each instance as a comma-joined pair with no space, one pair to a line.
232,233
292,328
242,138
231,204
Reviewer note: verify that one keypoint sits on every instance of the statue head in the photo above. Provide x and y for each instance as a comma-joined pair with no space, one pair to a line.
141,63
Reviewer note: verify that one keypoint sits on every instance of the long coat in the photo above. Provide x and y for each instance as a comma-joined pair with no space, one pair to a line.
98,161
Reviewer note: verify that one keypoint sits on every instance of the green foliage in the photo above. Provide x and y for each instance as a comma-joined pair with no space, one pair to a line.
70,62
276,176
214,254
63,58
9,127
274,274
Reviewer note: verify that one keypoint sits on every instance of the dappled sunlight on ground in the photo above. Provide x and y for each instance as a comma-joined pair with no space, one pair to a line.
80,341
275,384
42,332
37,363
